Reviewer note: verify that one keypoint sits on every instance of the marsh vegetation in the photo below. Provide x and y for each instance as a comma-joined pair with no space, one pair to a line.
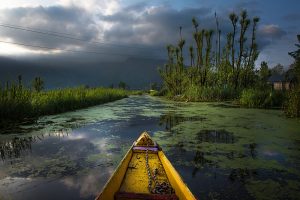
226,71
18,103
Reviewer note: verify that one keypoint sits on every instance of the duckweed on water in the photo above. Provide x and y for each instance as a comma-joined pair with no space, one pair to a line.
269,189
249,144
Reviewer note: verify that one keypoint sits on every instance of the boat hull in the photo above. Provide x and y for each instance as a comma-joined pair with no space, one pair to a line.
131,179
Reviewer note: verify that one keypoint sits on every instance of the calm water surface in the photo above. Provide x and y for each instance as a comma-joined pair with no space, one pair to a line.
222,152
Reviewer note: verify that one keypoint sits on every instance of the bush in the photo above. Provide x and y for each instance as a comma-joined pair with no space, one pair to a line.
292,103
196,93
154,93
255,98
136,92
163,92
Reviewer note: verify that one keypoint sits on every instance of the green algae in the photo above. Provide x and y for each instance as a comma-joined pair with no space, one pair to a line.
238,139
96,157
269,189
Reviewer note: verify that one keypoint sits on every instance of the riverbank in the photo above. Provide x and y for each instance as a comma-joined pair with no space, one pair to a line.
19,104
264,98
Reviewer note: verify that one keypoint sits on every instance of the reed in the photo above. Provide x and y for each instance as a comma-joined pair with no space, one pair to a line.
18,102
258,98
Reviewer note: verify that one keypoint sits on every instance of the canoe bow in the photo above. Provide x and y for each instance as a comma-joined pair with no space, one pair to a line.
145,173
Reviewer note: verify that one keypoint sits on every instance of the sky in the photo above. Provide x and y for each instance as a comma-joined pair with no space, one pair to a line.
64,39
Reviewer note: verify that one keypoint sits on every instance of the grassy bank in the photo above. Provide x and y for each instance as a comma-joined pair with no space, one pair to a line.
18,103
249,97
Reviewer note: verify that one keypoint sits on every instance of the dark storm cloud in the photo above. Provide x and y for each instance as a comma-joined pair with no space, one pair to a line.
149,28
152,26
160,25
138,24
292,17
251,6
270,33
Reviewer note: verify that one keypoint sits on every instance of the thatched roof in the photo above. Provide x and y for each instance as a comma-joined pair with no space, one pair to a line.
276,78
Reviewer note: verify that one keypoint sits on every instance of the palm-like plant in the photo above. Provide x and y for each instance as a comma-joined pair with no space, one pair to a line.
233,18
191,49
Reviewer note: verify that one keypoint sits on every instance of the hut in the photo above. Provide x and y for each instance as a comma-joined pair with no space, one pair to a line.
281,82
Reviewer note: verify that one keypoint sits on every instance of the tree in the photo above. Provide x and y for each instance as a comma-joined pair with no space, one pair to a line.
292,105
264,73
231,67
248,78
296,56
253,47
233,18
198,37
20,81
153,86
191,49
218,42
244,24
38,84
208,36
277,69
122,85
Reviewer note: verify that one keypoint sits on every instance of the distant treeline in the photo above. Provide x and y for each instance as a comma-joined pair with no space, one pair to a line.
216,74
18,102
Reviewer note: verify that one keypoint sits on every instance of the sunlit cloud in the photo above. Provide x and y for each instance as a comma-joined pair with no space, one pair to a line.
90,183
26,3
13,49
76,136
13,185
272,31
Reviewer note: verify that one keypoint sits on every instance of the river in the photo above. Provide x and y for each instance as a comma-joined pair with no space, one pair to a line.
221,151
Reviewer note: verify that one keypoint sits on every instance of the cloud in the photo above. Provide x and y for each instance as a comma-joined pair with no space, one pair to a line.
26,3
150,25
292,17
271,31
106,7
269,34
141,29
137,25
91,182
72,20
251,6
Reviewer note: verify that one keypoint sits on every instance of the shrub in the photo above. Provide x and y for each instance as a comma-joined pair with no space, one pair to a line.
292,103
255,98
154,93
196,93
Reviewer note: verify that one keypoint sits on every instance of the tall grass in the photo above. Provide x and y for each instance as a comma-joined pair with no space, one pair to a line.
17,102
196,93
256,98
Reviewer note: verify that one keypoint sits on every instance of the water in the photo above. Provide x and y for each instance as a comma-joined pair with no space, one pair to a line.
221,152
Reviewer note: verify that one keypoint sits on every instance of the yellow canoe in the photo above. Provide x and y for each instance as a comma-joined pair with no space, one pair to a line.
145,173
